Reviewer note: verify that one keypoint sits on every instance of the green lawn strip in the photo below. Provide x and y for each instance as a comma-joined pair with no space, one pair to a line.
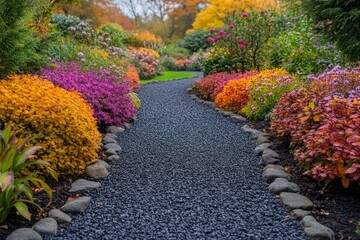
168,76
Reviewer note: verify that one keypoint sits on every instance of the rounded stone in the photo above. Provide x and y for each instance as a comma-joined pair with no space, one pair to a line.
59,216
46,226
295,201
24,234
96,171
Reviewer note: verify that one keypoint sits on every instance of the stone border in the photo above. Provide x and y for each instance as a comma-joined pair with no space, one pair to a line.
99,169
278,179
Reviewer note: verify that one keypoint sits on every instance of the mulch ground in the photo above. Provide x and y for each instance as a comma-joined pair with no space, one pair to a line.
335,207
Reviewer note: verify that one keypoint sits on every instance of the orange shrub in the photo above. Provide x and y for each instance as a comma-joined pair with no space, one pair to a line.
132,77
235,95
56,119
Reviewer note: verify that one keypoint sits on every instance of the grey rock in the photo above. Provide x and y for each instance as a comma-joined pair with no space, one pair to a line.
189,89
113,146
46,226
299,214
78,205
237,118
134,118
255,133
115,130
267,159
112,158
270,174
111,135
217,109
59,216
273,166
262,139
24,234
110,152
283,185
107,140
105,164
97,171
260,148
192,96
227,113
210,104
82,185
295,201
200,100
315,230
127,125
271,153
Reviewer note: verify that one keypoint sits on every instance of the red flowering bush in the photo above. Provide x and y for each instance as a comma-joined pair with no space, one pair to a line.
110,100
323,121
210,86
146,60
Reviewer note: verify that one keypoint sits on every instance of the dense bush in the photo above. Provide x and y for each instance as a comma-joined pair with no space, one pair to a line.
168,63
145,39
110,100
196,41
266,90
210,86
323,122
299,50
132,79
340,21
118,36
235,95
243,45
63,22
59,121
18,43
175,51
146,60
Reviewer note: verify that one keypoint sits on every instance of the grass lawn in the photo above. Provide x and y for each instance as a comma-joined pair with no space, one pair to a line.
168,76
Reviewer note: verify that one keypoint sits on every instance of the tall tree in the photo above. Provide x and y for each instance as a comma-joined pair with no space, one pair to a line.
220,12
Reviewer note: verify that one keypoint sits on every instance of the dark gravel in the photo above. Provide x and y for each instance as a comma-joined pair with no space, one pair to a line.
185,172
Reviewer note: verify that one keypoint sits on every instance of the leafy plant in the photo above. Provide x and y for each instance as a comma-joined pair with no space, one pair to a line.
16,177
146,60
323,122
59,120
196,41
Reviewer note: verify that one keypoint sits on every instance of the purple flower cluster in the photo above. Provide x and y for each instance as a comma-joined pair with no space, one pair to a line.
110,100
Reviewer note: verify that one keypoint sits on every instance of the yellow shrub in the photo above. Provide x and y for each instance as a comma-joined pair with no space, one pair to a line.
56,119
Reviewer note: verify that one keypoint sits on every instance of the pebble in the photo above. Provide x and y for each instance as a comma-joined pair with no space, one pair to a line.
24,234
295,201
59,216
46,226
78,205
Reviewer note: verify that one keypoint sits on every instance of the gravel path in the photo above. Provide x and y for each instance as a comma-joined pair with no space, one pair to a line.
185,172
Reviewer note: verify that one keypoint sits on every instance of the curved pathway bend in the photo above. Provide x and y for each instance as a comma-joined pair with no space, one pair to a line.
185,172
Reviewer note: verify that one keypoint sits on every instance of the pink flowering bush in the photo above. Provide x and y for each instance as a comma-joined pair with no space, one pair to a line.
210,86
243,44
146,60
323,122
109,99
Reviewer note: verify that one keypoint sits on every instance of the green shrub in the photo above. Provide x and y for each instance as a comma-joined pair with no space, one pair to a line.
168,63
63,22
196,41
339,21
116,33
18,43
175,51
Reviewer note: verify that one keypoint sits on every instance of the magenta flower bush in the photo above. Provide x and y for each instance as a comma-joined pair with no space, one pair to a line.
110,100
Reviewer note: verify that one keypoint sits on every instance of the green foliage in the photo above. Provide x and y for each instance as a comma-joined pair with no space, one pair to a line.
63,22
196,41
16,177
299,50
18,43
217,63
168,63
340,21
117,34
175,51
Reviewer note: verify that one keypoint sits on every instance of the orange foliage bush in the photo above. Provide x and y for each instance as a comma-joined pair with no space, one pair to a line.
235,95
56,119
